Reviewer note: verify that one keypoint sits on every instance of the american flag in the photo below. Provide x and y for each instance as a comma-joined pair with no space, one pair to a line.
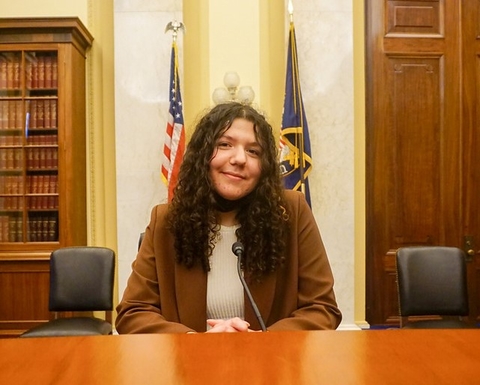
174,146
295,152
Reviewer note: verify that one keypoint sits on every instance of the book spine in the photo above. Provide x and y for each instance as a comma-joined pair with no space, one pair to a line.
48,72
35,74
47,116
41,72
3,159
33,114
18,115
53,113
10,75
11,115
16,72
2,116
28,74
5,115
40,113
54,72
3,72
4,227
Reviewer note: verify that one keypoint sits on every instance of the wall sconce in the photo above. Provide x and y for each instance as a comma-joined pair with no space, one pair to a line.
232,92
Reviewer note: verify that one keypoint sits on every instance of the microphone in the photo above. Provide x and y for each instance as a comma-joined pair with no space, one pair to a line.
237,249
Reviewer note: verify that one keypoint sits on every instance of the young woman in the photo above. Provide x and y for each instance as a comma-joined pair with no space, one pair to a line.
185,279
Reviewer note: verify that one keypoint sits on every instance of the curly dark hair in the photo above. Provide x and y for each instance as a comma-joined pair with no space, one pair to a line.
192,216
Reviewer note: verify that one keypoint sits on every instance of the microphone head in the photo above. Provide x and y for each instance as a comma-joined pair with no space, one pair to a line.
237,249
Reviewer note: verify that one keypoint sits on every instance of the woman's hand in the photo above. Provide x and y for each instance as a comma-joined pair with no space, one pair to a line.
231,325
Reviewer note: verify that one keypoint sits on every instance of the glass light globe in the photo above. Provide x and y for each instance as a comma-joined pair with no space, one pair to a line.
231,80
245,95
220,95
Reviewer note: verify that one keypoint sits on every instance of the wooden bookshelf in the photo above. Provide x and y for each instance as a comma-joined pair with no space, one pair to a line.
42,159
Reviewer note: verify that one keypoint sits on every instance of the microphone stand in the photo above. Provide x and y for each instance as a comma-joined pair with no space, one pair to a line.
238,251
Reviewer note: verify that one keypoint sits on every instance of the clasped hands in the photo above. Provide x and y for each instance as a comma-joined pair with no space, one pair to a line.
231,325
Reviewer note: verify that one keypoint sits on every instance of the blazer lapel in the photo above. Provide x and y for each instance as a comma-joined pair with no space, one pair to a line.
263,293
191,294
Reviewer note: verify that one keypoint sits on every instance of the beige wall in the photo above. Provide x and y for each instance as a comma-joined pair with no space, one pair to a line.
250,42
36,8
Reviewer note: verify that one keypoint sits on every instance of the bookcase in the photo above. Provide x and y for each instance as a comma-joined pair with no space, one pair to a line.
42,159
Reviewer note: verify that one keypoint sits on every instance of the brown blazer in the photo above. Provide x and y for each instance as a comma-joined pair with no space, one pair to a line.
164,297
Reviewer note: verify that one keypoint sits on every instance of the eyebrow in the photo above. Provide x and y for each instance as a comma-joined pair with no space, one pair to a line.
226,136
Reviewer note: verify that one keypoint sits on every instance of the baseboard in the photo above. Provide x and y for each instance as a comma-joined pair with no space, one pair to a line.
349,327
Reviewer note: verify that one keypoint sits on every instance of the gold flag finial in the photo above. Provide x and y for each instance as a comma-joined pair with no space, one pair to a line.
290,10
175,26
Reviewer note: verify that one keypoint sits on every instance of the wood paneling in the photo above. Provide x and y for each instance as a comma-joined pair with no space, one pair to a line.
423,178
414,17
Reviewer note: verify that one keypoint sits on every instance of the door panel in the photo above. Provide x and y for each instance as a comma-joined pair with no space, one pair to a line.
422,138
471,145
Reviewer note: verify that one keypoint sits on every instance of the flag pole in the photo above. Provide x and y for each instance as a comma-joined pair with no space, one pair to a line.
293,39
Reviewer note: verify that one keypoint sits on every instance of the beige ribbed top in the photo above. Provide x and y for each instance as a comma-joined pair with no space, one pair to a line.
225,298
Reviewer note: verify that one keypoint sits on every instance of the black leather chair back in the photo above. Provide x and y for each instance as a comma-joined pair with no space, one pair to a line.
432,281
82,279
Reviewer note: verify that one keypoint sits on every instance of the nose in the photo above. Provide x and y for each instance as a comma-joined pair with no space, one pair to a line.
238,155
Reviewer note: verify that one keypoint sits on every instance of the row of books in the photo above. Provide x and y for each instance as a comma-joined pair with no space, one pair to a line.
10,140
40,140
41,71
12,184
11,229
39,229
42,158
10,66
32,140
41,113
36,184
34,202
11,114
11,159
38,158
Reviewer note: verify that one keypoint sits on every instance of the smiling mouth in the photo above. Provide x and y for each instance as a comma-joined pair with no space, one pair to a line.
233,175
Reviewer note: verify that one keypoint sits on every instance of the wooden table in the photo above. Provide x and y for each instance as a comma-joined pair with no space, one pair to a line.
294,358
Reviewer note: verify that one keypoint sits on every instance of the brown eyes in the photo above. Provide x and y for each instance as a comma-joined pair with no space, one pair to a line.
253,151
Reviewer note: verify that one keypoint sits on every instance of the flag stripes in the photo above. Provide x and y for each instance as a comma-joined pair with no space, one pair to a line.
174,145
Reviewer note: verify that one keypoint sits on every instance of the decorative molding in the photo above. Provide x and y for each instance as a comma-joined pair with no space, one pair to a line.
420,18
92,204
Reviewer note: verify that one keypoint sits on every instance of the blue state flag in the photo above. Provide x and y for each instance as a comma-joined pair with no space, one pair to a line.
295,152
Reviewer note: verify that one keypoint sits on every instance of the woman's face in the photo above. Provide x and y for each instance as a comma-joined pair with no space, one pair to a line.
235,167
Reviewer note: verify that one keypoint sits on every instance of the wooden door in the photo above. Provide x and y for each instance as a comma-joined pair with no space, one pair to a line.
423,168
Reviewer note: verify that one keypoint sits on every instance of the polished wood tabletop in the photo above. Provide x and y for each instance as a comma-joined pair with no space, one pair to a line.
294,358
